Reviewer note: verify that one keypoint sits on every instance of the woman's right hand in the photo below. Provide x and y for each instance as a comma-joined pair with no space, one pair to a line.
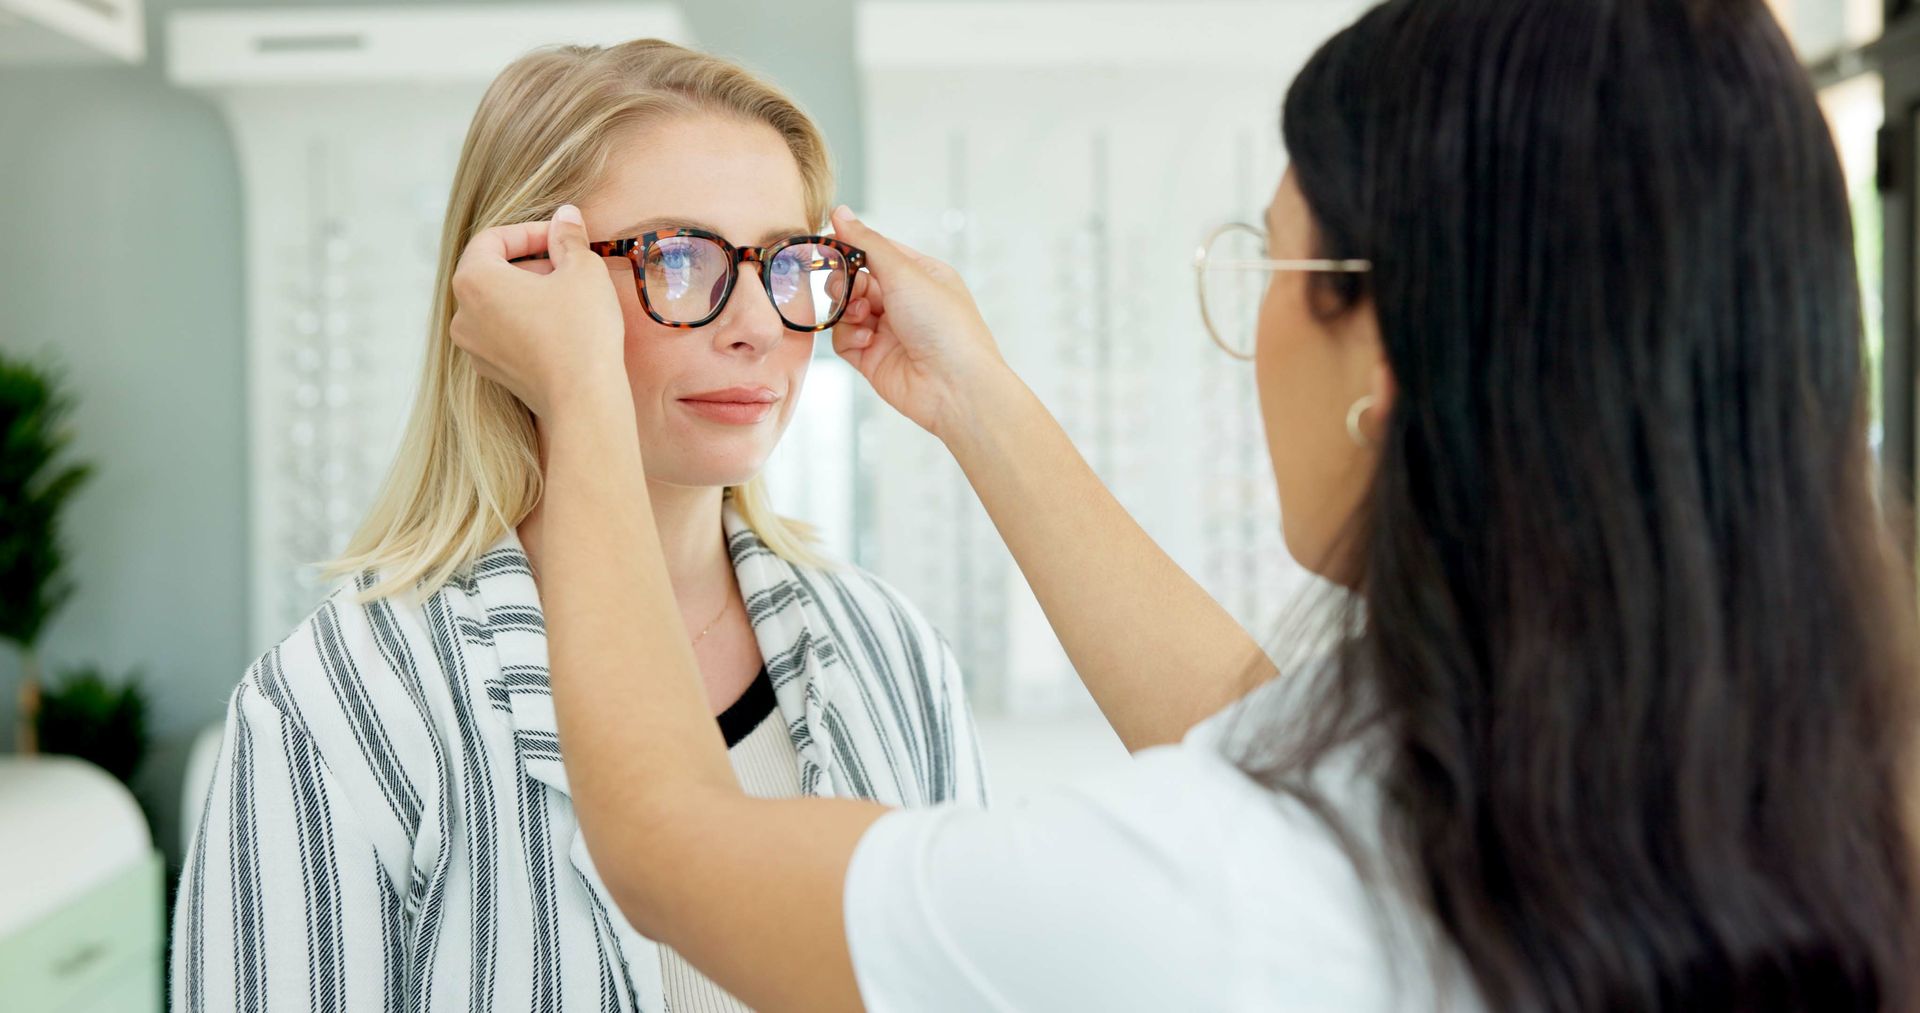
912,329
550,331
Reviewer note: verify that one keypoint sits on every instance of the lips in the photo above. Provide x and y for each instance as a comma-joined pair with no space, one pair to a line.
738,406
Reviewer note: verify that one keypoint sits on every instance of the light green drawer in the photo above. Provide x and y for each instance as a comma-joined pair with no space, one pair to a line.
101,951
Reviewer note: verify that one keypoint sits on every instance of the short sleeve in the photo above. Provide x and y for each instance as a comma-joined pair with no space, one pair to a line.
1174,883
1063,901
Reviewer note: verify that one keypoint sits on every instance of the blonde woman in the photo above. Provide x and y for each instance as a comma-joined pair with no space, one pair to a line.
391,826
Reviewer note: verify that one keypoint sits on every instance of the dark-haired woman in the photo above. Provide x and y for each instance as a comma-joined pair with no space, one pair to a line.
1561,369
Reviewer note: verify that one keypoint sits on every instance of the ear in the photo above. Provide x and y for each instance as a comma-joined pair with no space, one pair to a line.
1367,369
1384,389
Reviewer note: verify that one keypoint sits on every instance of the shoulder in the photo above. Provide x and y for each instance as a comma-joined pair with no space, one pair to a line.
886,640
871,605
369,683
346,646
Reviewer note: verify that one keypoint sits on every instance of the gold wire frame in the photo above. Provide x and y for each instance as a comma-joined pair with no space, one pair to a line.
1204,262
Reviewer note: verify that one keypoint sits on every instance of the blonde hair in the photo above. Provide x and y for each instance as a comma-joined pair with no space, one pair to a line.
468,469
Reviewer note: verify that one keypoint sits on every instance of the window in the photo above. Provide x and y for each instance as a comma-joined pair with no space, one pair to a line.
1856,109
1822,28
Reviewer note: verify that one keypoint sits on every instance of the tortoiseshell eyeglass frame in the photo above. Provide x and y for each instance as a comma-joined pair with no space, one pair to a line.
635,251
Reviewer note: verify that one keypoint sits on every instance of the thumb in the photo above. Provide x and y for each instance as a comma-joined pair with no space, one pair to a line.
567,238
884,256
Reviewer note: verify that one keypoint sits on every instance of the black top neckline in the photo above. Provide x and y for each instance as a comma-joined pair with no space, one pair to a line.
745,714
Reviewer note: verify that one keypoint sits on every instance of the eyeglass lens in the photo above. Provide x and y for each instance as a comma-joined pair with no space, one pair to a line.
1231,292
687,278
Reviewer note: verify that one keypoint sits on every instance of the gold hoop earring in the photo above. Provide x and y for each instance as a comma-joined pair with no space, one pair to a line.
1360,408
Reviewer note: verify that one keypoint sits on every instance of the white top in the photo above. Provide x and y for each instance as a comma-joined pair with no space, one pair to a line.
765,763
767,767
1179,883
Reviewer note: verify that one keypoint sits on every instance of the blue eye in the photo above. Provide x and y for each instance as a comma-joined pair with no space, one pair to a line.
677,258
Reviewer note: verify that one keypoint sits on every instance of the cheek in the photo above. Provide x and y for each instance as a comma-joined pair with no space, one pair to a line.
1297,377
794,352
1284,371
648,344
791,360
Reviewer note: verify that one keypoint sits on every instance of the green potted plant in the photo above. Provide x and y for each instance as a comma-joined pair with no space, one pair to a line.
104,722
36,481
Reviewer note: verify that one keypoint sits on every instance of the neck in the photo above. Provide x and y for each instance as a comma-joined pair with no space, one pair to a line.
691,536
688,518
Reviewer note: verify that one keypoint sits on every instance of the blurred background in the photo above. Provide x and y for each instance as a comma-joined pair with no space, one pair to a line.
220,221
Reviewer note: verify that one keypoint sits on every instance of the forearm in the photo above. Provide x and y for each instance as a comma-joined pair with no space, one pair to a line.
747,889
1155,650
636,734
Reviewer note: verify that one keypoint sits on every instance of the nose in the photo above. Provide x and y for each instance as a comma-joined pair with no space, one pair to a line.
749,324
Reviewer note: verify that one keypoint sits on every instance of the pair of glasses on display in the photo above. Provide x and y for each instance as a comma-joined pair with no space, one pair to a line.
1232,269
686,276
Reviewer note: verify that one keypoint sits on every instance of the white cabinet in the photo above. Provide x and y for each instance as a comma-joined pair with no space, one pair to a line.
72,31
80,891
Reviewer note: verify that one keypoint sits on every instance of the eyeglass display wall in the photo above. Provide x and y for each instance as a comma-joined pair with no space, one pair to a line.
1068,162
1068,157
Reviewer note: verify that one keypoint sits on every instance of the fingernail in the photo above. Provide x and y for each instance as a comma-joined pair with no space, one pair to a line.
845,212
569,213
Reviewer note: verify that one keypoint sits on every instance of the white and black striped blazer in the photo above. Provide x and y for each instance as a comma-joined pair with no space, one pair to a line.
389,827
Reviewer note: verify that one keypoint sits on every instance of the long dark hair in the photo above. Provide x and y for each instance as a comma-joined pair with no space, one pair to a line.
1631,631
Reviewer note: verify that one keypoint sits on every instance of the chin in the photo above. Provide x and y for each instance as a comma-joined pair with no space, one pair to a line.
715,471
1303,549
1292,543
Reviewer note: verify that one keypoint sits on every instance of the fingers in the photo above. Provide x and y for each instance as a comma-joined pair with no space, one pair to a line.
507,242
565,234
845,225
869,298
849,339
882,253
567,240
862,317
852,357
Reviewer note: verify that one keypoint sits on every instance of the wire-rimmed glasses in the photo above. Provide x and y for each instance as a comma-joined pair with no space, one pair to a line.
1232,270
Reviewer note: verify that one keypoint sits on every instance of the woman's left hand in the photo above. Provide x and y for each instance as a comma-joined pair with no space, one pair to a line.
545,336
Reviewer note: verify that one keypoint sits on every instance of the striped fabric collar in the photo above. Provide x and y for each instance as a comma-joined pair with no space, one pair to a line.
798,649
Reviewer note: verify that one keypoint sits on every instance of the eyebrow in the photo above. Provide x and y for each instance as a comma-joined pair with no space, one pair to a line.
647,225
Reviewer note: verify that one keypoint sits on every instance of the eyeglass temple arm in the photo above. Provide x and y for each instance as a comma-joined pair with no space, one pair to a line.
1327,266
605,248
621,247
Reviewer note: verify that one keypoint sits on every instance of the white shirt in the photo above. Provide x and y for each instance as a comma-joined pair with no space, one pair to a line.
1179,883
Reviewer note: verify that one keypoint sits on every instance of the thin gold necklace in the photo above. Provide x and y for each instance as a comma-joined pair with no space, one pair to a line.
724,606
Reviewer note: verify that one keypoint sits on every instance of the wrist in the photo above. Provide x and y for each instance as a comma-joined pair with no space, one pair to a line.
985,401
598,388
601,401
